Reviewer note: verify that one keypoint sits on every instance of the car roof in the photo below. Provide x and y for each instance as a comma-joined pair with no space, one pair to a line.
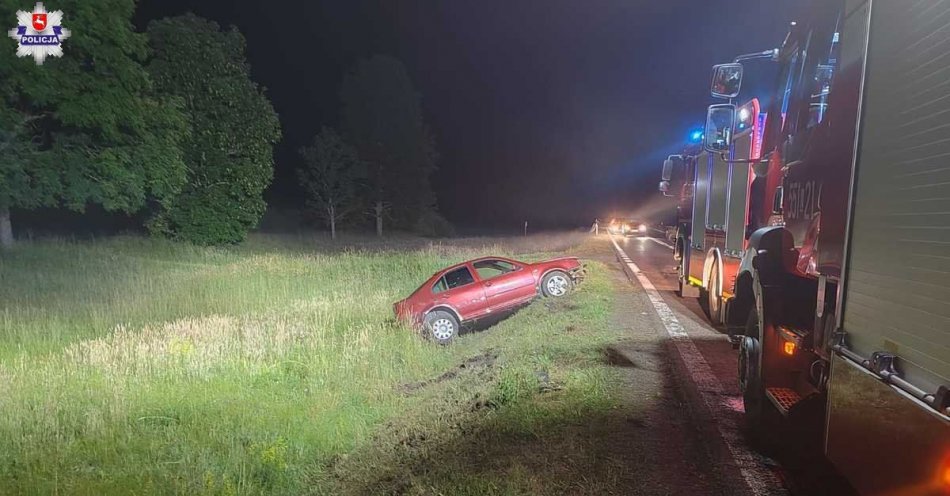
493,258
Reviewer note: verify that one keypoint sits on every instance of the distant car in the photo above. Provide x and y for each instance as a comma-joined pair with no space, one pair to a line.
627,226
483,287
616,226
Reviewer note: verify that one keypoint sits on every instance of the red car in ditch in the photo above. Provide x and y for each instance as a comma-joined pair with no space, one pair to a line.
483,287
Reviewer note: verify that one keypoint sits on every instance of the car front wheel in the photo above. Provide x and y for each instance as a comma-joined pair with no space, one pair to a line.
556,284
441,326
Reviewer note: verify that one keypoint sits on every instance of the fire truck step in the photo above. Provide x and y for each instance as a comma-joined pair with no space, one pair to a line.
783,398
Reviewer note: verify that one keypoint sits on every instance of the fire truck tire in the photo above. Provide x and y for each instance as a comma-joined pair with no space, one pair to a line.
714,303
760,415
680,276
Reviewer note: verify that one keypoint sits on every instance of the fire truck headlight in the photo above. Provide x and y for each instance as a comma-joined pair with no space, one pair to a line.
743,114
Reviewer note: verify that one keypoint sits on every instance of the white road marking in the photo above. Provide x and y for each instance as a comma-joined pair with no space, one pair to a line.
759,480
661,243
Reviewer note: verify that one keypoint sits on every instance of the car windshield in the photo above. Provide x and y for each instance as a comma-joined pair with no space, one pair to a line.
488,269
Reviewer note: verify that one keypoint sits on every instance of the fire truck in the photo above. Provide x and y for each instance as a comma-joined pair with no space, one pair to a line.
835,286
679,172
712,208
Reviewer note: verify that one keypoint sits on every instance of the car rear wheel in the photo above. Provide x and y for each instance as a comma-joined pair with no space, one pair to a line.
441,326
556,284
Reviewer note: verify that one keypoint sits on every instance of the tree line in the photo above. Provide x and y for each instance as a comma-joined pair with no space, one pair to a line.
169,125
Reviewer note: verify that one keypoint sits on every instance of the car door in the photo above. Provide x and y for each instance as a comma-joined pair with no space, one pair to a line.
459,289
506,282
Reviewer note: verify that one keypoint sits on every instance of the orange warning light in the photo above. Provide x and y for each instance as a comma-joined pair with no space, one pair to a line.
789,347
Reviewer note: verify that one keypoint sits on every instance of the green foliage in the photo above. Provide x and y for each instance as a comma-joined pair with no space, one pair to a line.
382,118
87,127
230,153
331,175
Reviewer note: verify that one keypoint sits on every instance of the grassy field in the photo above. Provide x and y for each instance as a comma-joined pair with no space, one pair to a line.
135,366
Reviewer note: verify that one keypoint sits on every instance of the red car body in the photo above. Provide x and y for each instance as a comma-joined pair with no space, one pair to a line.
490,290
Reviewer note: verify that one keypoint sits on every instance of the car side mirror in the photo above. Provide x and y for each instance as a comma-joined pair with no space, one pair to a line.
720,121
726,80
664,186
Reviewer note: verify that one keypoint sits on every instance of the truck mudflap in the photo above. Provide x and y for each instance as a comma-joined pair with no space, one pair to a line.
882,439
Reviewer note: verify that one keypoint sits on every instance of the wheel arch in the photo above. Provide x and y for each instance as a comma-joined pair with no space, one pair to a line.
679,248
445,308
772,250
743,302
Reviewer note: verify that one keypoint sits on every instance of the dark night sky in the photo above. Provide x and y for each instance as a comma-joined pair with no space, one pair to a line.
553,111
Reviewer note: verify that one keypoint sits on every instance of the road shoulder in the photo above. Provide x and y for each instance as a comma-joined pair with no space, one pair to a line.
716,409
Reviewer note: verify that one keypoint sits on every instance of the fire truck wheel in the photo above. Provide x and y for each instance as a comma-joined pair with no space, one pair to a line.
680,276
715,303
750,376
678,250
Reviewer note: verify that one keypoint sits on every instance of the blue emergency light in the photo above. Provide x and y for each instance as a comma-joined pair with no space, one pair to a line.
695,136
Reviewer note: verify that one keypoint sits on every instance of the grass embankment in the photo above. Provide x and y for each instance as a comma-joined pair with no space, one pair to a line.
133,366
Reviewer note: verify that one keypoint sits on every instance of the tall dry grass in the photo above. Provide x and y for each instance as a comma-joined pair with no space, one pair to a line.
140,366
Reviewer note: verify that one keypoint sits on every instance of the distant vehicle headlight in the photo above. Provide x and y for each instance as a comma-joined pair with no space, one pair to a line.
642,228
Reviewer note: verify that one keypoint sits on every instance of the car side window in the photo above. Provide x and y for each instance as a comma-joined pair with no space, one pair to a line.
439,286
458,277
488,269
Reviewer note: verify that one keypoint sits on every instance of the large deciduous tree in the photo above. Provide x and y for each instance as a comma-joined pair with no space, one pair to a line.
382,118
331,176
86,128
230,152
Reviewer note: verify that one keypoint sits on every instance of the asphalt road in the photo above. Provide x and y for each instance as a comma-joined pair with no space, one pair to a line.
704,363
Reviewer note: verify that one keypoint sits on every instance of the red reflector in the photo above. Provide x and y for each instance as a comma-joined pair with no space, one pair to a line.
789,348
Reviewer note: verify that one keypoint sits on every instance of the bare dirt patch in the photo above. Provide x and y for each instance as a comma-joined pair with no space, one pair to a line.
475,364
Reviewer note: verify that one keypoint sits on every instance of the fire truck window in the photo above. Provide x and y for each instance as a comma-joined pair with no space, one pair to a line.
789,76
777,126
822,79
